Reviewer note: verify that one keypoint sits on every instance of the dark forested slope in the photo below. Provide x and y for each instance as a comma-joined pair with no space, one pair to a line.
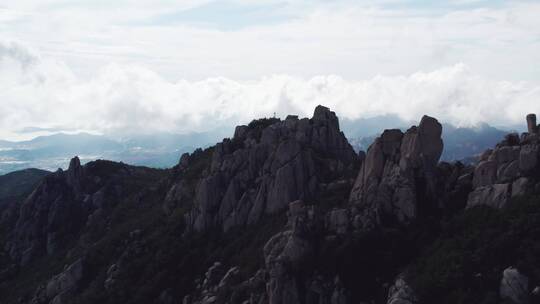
284,212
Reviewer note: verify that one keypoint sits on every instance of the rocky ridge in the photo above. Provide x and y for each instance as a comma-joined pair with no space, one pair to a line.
344,236
259,172
399,181
397,166
509,170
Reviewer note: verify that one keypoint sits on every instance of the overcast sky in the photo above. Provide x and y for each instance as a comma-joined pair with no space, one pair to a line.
195,65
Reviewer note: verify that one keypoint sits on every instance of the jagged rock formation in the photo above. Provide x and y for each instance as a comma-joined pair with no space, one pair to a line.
283,212
401,292
400,179
49,216
396,165
259,172
532,127
508,170
52,220
63,285
514,286
65,202
288,274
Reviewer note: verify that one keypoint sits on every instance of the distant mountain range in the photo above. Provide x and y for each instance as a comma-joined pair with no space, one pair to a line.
162,150
54,151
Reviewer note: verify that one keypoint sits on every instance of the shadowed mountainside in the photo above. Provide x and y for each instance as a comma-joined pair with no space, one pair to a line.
284,212
17,184
161,150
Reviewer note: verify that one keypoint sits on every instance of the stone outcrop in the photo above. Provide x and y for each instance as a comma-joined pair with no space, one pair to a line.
326,253
339,221
396,163
531,124
508,169
514,286
49,216
496,196
401,292
59,287
267,165
454,183
288,275
226,286
63,205
284,255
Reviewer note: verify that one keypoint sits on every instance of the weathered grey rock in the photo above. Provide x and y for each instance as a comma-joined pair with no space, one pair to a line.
166,297
219,286
512,162
179,195
184,161
485,173
528,158
284,162
505,154
285,254
508,172
514,286
339,295
74,174
401,293
338,221
54,211
373,165
323,114
520,186
112,273
213,276
429,133
230,277
485,155
61,285
531,124
394,166
240,132
496,196
391,142
281,287
511,139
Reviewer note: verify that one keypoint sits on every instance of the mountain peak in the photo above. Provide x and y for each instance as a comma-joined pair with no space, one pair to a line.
532,127
283,212
323,113
74,164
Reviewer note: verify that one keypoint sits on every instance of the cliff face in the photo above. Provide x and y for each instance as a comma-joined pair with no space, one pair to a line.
259,172
52,212
399,173
284,212
509,170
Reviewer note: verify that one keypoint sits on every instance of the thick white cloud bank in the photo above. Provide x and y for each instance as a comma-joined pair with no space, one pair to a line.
243,40
195,65
38,92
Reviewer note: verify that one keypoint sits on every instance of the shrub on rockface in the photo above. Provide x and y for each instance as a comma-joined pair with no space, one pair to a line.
465,264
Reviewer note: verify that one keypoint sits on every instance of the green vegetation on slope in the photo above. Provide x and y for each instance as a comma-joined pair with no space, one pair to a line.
465,264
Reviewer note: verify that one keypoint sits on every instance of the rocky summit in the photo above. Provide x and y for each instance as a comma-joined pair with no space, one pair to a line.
263,168
283,212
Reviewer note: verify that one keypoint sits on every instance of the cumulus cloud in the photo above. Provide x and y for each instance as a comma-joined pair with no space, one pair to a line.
127,99
136,66
354,39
